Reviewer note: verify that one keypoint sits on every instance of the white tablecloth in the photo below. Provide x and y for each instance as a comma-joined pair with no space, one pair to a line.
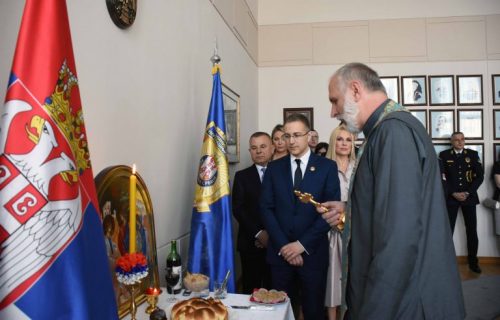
280,312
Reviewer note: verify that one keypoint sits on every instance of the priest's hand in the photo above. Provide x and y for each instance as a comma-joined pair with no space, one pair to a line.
334,214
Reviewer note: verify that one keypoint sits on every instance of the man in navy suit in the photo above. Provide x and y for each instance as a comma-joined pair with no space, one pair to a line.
252,236
298,246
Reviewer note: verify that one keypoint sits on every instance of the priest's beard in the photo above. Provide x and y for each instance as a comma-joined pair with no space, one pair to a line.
350,114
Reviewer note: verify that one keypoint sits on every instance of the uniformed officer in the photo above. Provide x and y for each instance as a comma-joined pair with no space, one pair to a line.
462,175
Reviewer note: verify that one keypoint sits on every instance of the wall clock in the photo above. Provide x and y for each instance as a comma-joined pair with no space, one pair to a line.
122,12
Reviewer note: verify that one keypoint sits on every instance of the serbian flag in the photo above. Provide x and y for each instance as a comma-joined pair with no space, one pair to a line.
211,242
53,262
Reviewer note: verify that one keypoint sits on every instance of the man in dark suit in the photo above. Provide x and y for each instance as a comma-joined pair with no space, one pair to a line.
298,246
252,237
462,175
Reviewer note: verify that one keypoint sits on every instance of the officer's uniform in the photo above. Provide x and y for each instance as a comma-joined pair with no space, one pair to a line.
463,172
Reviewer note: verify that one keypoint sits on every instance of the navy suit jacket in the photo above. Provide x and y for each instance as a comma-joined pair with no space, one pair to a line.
246,193
286,219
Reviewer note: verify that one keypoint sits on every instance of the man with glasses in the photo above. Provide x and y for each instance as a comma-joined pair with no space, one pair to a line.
298,247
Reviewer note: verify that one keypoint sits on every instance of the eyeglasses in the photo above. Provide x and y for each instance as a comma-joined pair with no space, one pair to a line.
294,135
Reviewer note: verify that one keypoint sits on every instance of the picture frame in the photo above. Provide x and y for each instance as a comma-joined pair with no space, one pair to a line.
470,90
439,147
470,123
442,123
307,112
496,152
495,83
391,84
421,115
478,147
496,124
441,90
112,185
231,101
414,90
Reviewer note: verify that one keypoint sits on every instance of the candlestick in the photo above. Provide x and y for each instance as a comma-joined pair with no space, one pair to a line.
132,206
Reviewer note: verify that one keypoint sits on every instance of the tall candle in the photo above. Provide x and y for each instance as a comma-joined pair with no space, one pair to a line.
132,206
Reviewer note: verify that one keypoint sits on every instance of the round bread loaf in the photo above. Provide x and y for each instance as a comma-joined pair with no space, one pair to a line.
199,309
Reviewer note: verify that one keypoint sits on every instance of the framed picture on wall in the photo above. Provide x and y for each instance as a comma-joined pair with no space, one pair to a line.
307,112
442,123
414,90
496,152
496,124
478,147
470,90
441,91
421,115
439,147
470,122
391,85
231,102
495,82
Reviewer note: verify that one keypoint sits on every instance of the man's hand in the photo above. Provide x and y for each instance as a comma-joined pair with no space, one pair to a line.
262,239
291,251
334,214
460,196
297,262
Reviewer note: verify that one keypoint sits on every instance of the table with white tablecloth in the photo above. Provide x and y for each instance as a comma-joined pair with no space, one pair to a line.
281,311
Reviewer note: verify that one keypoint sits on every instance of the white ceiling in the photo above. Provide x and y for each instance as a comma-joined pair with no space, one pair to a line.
307,11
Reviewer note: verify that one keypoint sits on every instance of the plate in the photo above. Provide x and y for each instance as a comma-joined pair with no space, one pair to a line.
254,299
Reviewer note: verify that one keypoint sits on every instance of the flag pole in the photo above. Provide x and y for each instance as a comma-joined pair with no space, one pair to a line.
215,58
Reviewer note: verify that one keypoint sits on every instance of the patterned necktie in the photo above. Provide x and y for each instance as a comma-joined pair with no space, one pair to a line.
263,170
297,179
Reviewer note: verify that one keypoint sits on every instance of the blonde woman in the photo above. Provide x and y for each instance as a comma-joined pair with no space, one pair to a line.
342,151
279,144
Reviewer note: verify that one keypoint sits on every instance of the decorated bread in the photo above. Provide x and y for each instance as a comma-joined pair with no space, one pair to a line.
199,309
268,296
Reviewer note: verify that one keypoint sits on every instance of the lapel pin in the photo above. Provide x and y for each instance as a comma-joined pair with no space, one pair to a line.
313,169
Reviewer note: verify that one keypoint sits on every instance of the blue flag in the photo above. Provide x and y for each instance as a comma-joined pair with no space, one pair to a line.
53,262
211,243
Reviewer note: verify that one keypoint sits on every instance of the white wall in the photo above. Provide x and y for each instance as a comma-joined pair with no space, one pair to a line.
307,86
303,11
146,90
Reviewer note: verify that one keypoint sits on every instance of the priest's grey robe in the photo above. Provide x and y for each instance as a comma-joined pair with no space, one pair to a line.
402,261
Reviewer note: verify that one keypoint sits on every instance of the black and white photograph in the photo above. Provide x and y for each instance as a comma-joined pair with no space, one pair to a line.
478,147
470,90
441,147
442,123
496,152
421,115
495,82
391,85
414,90
441,91
232,117
470,123
496,124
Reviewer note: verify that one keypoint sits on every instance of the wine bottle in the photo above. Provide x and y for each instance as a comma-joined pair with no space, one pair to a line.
174,270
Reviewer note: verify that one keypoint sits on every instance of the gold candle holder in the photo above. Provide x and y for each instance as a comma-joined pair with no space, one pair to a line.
133,289
152,298
308,198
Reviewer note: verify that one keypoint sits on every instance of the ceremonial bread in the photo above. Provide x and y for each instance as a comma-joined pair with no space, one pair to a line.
270,297
199,309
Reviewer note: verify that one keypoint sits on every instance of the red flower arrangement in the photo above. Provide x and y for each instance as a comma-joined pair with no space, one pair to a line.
131,268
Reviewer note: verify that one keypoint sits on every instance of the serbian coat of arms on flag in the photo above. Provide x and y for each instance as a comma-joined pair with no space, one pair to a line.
52,256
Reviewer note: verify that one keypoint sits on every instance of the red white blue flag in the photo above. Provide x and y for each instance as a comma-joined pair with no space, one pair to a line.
53,261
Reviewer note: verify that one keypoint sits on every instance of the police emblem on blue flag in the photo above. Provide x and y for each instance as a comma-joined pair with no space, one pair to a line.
211,243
